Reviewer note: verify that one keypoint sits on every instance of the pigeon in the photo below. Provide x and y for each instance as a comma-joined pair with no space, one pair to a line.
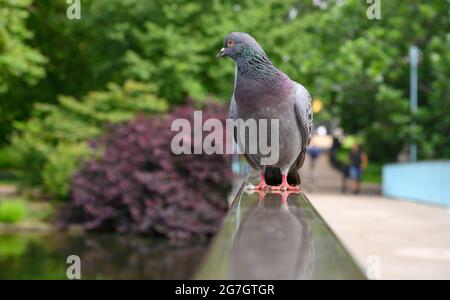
261,91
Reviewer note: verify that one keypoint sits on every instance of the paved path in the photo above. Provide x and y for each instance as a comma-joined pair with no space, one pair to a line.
391,239
395,239
325,179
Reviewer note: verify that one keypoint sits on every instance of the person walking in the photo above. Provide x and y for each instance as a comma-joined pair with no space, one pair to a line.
358,162
313,152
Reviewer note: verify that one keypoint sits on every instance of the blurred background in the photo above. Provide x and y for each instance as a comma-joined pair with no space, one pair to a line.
86,106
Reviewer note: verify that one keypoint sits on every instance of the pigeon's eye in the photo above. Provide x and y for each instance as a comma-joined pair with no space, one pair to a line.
230,43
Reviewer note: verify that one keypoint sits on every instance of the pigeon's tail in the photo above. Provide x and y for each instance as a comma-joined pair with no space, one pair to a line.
294,176
272,176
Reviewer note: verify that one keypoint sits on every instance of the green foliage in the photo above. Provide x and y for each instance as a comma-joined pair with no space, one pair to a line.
61,165
358,67
170,43
20,64
372,173
51,144
174,43
12,210
17,59
7,158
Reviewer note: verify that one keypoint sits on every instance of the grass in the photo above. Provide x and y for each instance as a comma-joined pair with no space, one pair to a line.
12,210
16,210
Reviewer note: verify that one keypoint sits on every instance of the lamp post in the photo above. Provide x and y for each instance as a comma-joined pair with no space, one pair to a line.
414,61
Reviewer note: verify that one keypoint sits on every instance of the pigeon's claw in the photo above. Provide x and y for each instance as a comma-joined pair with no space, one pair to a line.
293,188
261,186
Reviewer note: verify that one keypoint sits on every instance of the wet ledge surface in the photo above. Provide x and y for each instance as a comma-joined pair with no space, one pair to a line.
263,237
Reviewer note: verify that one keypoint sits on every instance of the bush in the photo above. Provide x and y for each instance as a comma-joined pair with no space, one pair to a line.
7,158
53,140
12,210
139,186
60,167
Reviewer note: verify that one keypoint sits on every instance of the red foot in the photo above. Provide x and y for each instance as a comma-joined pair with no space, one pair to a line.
285,186
262,184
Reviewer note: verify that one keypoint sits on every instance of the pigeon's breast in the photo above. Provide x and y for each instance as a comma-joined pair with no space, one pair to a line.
253,94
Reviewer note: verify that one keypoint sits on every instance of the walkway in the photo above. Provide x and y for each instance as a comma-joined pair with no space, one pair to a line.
409,240
392,239
325,179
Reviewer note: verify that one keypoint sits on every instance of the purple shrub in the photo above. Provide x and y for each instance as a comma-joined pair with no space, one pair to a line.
140,186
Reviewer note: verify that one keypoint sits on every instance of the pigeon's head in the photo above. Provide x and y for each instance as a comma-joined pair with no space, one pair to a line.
236,42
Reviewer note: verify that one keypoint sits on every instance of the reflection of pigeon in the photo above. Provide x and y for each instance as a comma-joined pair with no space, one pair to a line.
270,226
263,92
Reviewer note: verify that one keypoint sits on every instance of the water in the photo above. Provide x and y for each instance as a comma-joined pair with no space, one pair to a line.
103,256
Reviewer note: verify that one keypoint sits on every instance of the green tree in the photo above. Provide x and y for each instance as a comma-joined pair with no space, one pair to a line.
356,66
359,68
20,64
51,145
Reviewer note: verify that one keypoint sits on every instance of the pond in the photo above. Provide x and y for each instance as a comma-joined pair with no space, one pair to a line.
103,256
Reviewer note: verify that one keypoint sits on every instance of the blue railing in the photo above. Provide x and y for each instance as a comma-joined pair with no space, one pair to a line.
427,181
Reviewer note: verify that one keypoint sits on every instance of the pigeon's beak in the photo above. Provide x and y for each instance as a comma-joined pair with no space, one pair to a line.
220,54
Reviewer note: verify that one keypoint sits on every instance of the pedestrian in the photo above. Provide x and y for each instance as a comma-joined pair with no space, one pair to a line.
358,162
313,152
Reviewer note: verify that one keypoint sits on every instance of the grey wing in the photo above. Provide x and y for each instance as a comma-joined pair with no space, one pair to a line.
303,112
233,115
